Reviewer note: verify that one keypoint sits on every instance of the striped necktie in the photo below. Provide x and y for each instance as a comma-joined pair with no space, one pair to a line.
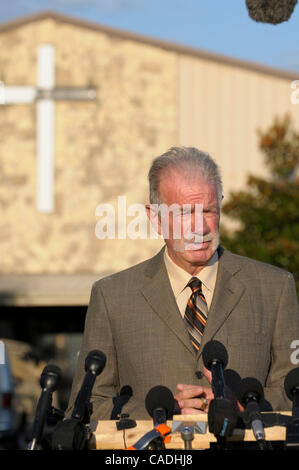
196,312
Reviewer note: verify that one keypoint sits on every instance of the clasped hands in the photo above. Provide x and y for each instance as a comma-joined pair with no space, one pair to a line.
195,399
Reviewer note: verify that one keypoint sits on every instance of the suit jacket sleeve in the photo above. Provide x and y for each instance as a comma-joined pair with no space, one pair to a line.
285,331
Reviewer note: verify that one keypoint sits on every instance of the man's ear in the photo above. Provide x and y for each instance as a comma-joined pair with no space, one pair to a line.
154,218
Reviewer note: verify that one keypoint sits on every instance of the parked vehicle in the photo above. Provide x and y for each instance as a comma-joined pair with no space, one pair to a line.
7,415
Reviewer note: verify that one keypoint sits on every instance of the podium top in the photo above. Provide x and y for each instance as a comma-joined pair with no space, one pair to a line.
105,434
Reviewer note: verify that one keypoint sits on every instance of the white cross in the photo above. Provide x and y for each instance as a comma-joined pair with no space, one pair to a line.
45,95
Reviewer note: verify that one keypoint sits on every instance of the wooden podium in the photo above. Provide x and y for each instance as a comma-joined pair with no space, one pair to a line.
106,436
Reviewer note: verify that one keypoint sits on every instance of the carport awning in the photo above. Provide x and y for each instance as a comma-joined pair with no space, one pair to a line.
46,289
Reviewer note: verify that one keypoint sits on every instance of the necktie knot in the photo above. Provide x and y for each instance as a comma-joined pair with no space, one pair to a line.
194,284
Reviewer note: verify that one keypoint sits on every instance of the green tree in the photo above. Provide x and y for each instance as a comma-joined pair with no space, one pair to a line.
268,210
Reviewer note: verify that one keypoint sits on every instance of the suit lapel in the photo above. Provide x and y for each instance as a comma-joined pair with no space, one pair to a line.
228,292
158,293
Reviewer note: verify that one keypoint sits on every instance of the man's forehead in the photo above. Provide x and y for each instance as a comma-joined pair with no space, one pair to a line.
179,185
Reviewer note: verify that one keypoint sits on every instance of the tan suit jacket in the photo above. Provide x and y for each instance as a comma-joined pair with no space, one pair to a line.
134,319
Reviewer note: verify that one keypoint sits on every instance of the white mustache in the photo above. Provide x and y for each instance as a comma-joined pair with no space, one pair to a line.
194,245
196,238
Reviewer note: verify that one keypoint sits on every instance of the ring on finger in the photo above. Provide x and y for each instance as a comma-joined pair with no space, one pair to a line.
204,403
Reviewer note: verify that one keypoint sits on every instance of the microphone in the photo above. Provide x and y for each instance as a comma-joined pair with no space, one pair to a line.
291,386
215,359
270,11
73,433
222,413
250,393
94,365
49,381
159,403
232,379
120,400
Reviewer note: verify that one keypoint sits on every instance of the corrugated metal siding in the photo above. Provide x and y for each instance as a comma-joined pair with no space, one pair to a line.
220,109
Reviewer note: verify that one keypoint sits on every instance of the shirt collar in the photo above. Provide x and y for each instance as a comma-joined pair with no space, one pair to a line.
179,278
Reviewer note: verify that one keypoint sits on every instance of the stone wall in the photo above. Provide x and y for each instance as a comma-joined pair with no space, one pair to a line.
103,149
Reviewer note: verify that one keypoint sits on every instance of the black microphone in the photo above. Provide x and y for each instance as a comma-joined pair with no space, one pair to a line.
222,413
215,359
270,11
232,379
291,387
250,394
94,365
73,433
120,400
49,381
159,403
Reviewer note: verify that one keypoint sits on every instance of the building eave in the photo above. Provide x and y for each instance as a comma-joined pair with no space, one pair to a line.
162,44
41,290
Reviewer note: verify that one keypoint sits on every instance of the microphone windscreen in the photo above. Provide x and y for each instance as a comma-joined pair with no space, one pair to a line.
247,386
95,361
214,350
120,400
270,11
50,377
291,382
232,379
126,390
160,397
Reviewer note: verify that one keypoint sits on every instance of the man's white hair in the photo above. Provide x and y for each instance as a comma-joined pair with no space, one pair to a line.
189,161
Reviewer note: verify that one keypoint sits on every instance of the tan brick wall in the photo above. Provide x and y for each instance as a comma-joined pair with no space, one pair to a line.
102,149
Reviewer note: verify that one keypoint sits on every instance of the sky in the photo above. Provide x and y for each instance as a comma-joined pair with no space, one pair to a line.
218,26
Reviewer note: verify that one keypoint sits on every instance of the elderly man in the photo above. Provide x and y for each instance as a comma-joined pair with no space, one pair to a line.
153,319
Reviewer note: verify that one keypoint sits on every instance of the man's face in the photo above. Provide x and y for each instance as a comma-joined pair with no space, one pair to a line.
198,219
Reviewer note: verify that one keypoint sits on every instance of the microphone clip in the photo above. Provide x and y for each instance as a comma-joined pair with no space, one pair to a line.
125,423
